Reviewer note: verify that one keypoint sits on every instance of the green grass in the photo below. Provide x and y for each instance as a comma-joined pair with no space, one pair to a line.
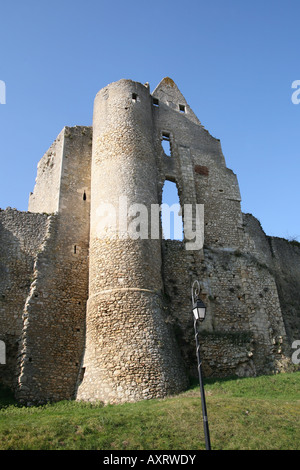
245,414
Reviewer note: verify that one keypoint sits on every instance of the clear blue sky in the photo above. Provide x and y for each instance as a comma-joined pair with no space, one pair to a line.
234,61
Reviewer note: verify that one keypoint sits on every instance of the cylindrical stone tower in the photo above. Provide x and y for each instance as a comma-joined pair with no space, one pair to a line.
130,351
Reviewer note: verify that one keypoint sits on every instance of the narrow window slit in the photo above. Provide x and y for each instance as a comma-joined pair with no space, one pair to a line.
155,102
134,97
182,108
2,352
84,196
166,144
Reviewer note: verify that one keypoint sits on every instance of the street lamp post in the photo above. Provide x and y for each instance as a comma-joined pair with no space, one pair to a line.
199,311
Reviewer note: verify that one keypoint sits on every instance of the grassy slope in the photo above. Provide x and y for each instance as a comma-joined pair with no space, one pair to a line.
250,413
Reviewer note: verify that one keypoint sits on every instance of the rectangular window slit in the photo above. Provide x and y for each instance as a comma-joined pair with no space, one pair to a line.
182,108
134,97
166,144
155,102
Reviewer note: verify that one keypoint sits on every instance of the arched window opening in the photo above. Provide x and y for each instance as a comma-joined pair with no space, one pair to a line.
171,218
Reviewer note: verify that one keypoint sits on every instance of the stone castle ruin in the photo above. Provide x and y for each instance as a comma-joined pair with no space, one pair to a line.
88,314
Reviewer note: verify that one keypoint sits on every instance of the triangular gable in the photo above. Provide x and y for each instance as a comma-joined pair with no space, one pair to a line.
168,93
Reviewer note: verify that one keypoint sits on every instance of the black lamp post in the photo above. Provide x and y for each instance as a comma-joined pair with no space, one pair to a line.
199,311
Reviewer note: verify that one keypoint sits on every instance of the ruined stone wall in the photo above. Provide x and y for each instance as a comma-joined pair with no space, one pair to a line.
286,262
197,165
282,259
45,196
243,332
54,318
21,237
180,268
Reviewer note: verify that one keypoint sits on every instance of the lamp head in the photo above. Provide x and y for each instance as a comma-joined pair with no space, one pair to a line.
199,310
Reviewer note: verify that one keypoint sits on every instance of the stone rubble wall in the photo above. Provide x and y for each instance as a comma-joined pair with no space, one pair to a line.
45,196
238,286
21,238
286,262
53,336
243,333
282,259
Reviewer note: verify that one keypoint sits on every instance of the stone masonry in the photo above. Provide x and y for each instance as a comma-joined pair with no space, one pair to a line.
89,313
